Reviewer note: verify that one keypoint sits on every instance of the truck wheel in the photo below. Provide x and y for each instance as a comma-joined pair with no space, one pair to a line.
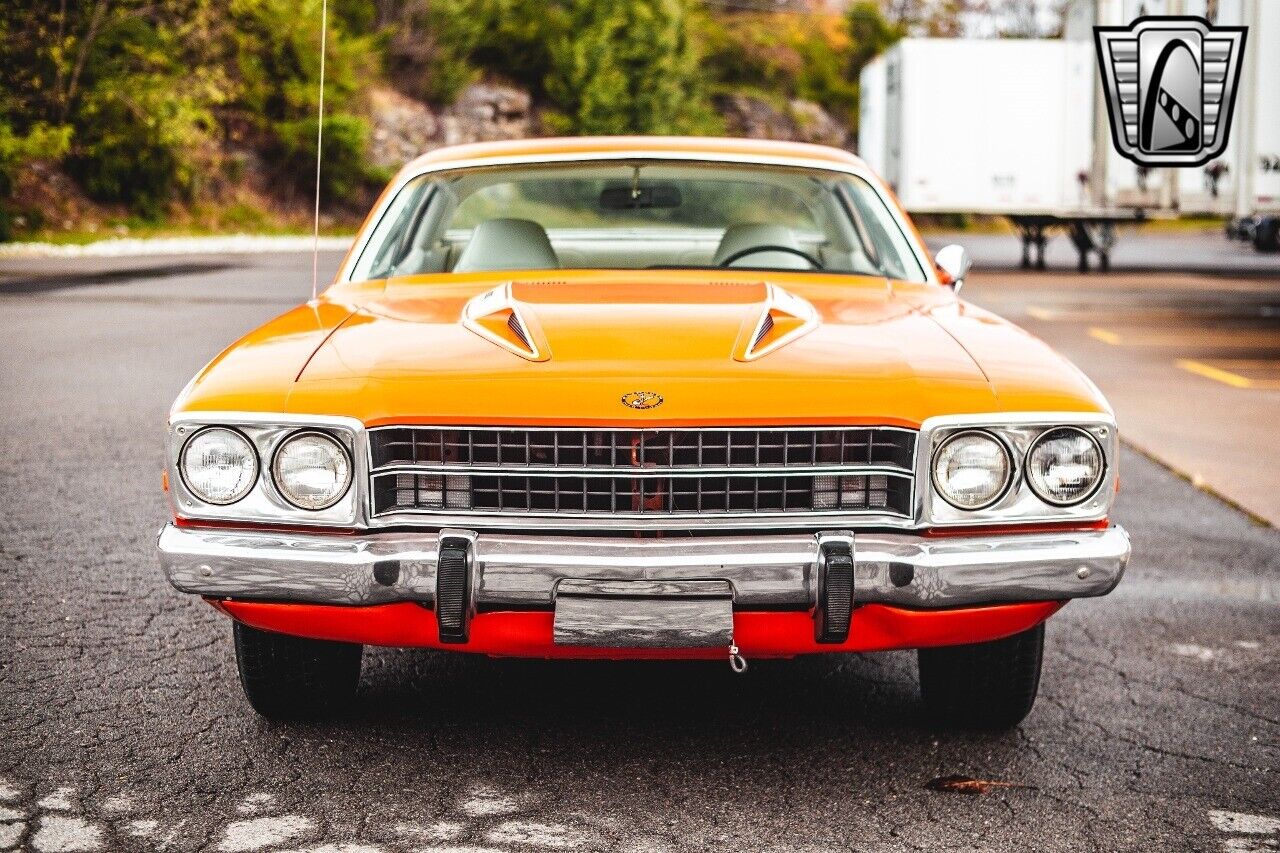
1266,235
290,677
984,685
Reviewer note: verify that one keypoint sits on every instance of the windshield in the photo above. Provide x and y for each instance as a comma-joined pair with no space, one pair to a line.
646,214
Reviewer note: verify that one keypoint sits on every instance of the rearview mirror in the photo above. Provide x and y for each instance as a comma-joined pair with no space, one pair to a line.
954,261
634,198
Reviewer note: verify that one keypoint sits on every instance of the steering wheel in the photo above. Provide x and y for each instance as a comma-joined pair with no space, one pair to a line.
752,250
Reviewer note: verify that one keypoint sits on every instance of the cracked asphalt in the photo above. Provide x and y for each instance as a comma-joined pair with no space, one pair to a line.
122,725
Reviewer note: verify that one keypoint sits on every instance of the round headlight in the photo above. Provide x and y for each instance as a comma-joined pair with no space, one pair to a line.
311,470
219,465
971,470
1064,466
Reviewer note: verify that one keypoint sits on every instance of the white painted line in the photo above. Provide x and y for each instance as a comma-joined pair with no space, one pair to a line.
256,803
1191,650
552,836
263,832
61,834
485,802
117,805
1250,824
59,800
338,848
10,833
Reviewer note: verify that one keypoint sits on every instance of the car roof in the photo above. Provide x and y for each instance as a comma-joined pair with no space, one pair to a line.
695,147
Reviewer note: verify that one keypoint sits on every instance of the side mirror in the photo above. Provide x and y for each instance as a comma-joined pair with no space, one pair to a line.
954,261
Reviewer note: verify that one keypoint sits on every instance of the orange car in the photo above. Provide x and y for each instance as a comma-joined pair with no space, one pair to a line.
642,398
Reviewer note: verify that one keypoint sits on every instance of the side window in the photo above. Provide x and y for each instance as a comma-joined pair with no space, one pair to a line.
393,235
891,247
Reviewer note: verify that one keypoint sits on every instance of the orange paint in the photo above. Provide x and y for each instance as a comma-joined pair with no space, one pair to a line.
394,351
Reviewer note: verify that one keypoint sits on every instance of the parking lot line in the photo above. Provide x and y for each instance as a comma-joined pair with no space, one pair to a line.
1210,372
1184,337
1259,374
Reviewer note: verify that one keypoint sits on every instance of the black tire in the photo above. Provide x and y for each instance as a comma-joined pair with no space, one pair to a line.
984,685
1266,235
294,678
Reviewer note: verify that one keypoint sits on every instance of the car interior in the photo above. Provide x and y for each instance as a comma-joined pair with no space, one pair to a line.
655,214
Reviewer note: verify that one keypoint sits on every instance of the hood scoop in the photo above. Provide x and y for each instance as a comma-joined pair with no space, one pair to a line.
495,315
761,318
784,317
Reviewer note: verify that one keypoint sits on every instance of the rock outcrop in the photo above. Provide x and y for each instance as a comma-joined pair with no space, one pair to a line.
403,128
802,121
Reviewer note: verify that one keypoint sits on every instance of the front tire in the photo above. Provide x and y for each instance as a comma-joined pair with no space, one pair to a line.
288,677
983,685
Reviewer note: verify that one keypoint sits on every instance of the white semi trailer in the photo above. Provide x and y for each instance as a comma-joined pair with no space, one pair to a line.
991,126
1019,128
1244,182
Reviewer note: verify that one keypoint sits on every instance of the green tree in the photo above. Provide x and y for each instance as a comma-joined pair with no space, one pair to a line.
274,47
629,67
123,80
870,34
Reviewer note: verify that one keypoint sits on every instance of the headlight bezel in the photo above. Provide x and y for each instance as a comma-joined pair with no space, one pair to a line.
183,474
1019,503
275,471
1011,476
265,504
1085,496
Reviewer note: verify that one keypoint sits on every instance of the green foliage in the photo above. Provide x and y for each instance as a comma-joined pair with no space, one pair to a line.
40,142
429,45
870,34
346,168
278,63
122,78
629,68
816,57
144,118
148,103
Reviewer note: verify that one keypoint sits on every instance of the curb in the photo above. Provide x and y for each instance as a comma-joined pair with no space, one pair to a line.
140,247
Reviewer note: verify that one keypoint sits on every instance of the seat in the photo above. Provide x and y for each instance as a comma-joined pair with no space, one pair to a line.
744,236
507,244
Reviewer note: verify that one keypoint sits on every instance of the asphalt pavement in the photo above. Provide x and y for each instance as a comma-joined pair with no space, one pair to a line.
122,725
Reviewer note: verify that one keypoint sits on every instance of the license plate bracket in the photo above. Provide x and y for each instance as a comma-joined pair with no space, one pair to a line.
644,614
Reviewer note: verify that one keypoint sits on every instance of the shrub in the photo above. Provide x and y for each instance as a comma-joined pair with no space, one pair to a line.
40,142
345,171
629,68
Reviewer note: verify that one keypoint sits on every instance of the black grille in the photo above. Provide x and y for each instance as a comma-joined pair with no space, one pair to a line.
703,448
865,470
517,493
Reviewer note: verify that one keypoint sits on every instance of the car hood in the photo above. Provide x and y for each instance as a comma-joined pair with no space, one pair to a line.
835,350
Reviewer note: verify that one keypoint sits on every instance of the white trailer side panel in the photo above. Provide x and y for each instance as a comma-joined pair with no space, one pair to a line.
872,108
983,125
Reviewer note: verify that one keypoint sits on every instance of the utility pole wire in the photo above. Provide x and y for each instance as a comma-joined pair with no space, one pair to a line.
315,245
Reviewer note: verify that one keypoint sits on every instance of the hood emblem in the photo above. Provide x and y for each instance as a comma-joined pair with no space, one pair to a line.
642,399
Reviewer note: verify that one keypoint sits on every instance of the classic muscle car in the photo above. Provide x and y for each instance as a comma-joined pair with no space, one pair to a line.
642,398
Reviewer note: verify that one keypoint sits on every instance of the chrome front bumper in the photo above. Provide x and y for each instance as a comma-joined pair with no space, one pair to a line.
522,572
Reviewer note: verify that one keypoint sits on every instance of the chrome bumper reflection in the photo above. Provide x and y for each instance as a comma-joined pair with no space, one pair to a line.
517,572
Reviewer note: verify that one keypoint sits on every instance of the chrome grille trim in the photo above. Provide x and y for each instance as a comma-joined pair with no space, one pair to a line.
627,449
676,474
